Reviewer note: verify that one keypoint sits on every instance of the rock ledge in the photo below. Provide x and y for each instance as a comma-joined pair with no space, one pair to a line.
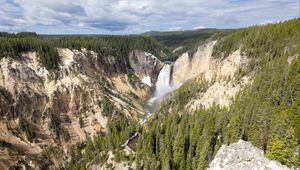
243,156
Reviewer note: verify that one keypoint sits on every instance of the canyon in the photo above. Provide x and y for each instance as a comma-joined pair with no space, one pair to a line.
76,92
130,102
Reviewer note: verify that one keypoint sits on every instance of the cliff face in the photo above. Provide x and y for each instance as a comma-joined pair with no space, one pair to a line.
43,112
145,65
187,67
243,155
221,73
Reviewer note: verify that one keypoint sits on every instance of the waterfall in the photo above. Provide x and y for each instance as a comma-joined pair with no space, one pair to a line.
163,86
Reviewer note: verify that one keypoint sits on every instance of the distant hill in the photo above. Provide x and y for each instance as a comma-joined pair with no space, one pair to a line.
186,41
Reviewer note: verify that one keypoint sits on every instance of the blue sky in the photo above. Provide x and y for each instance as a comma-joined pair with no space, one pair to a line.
137,16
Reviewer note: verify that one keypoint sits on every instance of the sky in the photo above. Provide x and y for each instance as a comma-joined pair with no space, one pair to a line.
138,16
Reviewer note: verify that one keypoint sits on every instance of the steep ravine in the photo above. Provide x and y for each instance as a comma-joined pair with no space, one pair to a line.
189,68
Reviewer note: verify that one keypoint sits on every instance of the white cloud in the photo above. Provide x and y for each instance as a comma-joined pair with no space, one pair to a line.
175,28
199,27
127,16
266,22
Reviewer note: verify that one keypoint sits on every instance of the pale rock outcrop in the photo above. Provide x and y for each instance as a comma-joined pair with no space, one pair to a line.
219,72
243,156
187,67
292,58
177,49
220,92
114,164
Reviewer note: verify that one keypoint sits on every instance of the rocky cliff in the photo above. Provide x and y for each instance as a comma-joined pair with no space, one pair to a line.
243,155
220,73
43,112
145,65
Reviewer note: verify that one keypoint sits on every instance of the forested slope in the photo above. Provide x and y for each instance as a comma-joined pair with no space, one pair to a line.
266,113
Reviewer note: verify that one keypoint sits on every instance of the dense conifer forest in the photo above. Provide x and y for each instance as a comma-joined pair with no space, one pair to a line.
46,46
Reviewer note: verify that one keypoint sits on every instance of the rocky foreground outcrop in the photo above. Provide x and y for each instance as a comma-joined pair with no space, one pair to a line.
243,156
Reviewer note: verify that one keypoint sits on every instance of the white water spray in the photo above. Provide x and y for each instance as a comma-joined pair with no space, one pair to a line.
163,86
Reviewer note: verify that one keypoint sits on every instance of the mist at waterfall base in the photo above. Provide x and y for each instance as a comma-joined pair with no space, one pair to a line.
162,88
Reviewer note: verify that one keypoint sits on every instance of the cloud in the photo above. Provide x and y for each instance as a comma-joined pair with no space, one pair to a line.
136,16
175,28
112,25
199,27
266,22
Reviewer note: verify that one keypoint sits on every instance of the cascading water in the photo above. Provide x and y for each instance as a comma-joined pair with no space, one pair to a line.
163,82
162,88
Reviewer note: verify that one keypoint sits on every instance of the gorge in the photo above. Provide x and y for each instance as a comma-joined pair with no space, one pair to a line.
75,102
